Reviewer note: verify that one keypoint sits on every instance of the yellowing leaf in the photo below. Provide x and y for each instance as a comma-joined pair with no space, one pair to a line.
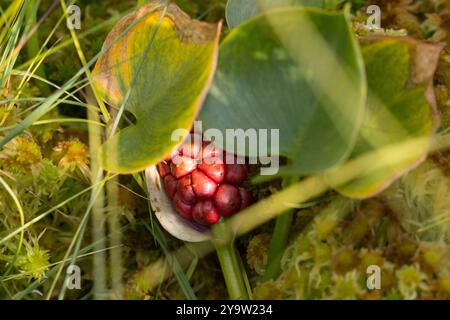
400,108
160,69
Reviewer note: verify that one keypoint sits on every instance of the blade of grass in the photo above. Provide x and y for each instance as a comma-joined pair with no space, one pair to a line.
75,244
47,82
22,223
80,231
156,273
43,215
63,44
59,120
7,19
172,261
11,38
95,142
8,60
32,47
83,61
48,104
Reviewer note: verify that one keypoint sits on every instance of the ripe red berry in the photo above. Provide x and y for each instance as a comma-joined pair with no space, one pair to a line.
227,200
246,198
204,187
182,166
170,183
213,168
192,146
183,208
201,186
186,191
163,169
210,150
205,212
235,173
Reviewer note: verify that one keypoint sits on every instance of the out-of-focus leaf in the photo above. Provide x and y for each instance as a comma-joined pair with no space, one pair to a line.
400,107
166,63
298,70
239,11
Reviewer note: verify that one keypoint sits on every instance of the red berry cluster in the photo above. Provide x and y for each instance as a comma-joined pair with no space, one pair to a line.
202,185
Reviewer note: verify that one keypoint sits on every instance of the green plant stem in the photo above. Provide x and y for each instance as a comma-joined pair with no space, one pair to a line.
115,241
115,238
230,263
279,239
98,217
277,245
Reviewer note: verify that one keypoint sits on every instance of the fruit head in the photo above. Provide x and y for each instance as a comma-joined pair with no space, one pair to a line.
201,186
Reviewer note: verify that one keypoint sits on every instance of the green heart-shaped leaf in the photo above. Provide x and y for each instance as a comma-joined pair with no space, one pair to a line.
400,107
239,11
163,65
298,70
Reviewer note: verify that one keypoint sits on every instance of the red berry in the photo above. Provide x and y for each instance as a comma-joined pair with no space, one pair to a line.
185,190
182,166
170,183
227,200
211,151
235,173
197,213
213,168
192,146
205,213
163,169
184,209
203,186
204,190
246,198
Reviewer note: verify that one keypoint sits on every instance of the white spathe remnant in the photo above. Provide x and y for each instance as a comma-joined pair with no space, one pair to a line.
169,219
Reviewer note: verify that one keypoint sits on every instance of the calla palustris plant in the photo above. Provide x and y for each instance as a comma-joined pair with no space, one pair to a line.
296,69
